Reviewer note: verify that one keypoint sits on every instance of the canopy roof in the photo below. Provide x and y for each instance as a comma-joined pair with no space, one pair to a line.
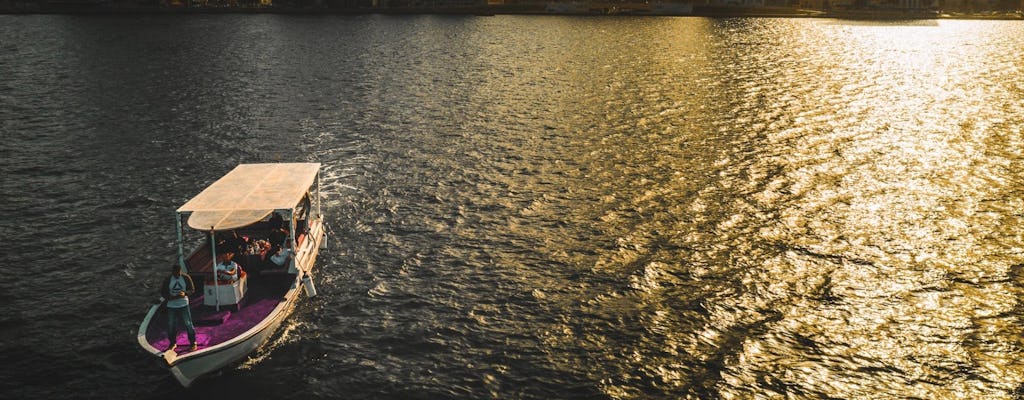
248,194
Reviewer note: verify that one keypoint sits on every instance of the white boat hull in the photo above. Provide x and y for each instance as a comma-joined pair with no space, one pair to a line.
188,367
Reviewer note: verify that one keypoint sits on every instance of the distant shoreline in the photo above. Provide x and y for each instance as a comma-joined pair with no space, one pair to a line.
711,12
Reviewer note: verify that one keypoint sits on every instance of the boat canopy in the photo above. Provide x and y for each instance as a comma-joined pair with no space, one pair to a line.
248,194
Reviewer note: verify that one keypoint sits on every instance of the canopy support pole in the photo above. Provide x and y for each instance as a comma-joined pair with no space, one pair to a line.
216,277
181,244
318,200
291,237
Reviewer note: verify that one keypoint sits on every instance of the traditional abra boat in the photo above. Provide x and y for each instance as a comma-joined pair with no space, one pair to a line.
237,218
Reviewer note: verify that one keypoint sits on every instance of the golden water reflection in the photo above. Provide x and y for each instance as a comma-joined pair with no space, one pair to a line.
816,210
900,211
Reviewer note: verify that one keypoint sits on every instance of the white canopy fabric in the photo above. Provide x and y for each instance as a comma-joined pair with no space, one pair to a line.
248,194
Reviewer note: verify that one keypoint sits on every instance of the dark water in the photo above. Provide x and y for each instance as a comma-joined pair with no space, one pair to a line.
533,207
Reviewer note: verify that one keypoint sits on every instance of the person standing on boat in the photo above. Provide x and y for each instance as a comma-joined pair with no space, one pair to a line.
176,288
227,270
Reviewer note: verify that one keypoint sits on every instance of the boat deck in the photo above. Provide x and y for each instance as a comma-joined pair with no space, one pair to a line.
214,327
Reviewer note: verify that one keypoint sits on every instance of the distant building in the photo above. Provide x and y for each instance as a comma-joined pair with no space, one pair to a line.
740,3
433,4
884,4
73,5
981,6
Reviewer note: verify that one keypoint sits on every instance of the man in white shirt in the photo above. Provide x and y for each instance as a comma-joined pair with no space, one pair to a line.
227,270
176,288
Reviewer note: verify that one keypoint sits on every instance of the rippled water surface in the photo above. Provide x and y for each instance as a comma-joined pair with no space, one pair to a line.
533,207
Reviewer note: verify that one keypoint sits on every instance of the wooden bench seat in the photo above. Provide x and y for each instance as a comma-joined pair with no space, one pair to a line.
200,263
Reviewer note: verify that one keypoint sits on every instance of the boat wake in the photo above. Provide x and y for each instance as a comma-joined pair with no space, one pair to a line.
267,349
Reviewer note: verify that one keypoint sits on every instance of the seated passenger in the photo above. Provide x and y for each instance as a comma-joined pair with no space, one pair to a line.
277,222
227,270
280,258
277,239
230,242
